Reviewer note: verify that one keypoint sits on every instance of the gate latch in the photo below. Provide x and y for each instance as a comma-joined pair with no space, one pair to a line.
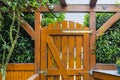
43,72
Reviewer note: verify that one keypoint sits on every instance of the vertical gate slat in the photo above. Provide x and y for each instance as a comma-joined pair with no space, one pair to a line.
71,54
64,50
78,54
65,25
86,56
79,45
43,55
58,44
71,49
64,44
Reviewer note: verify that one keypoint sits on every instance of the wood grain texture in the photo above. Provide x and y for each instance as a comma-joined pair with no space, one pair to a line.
28,29
92,41
37,37
82,8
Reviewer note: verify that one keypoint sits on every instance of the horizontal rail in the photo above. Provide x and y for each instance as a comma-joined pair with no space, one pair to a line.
21,66
76,31
70,72
65,32
33,77
81,8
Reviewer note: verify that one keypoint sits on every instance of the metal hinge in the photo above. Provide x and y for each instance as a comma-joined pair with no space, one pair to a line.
43,72
91,71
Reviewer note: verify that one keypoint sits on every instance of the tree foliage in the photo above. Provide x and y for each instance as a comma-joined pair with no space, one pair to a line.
24,48
108,45
12,41
13,11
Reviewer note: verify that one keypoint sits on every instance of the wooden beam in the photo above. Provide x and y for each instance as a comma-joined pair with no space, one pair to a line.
106,75
108,24
92,41
81,8
70,72
93,3
28,28
19,66
57,58
63,3
37,41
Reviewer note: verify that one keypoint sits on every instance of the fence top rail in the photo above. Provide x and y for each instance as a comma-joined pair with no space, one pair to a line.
21,66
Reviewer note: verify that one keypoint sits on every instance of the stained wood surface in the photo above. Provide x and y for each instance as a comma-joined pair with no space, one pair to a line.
24,71
67,55
93,3
37,38
92,41
106,74
82,8
20,71
28,29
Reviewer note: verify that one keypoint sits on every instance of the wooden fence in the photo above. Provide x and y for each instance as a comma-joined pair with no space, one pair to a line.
24,71
19,71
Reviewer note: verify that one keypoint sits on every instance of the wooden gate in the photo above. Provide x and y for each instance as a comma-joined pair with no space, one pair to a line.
65,52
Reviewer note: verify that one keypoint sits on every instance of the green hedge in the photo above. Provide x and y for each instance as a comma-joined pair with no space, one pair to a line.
24,48
108,45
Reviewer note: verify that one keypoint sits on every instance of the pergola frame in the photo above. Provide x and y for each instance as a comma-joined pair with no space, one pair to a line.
77,8
92,8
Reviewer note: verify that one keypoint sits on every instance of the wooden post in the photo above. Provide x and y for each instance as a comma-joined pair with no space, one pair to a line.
93,3
37,41
63,3
92,40
28,29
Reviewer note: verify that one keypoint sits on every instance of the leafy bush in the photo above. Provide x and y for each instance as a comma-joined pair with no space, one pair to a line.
52,18
23,51
108,45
